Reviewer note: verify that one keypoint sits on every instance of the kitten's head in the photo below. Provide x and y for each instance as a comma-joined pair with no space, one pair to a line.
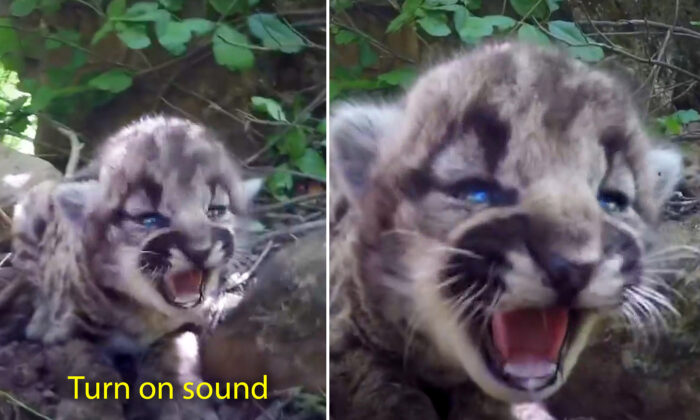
500,207
165,218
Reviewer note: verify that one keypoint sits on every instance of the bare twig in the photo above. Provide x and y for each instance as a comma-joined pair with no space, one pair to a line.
638,22
75,147
20,404
282,204
91,6
237,280
319,99
178,109
621,51
690,87
351,27
291,230
69,44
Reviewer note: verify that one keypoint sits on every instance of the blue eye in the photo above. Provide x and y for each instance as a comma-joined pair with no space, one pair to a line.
613,201
153,221
478,197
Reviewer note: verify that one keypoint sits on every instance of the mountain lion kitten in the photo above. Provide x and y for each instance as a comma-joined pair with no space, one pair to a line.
136,252
481,225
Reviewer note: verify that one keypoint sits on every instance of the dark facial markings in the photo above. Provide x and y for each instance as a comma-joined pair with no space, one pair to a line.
157,251
492,132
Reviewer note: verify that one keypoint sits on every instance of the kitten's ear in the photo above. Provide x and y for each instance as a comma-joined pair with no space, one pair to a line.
251,188
667,168
76,200
356,131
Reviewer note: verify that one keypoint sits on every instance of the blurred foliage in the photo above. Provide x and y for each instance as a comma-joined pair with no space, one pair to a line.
456,24
236,31
443,21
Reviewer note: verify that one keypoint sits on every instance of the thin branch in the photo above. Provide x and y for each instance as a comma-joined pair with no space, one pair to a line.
70,44
282,204
303,227
91,6
638,22
75,147
525,16
621,51
20,404
690,87
270,170
319,99
178,109
373,41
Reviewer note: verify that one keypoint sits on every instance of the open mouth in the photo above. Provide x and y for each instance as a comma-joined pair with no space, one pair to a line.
525,347
185,288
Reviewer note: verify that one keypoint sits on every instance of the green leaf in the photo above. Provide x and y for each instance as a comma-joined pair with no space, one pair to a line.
528,33
695,22
230,49
225,7
144,12
21,8
399,77
670,124
114,81
474,28
435,25
321,128
9,41
312,163
172,5
174,37
553,5
687,115
344,37
473,4
102,32
116,8
530,8
141,8
61,38
294,144
78,60
575,40
41,98
280,182
16,104
50,7
274,33
500,22
460,15
408,13
133,35
199,26
272,107
368,57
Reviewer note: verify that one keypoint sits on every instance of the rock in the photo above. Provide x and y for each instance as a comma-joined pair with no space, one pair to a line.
279,327
19,172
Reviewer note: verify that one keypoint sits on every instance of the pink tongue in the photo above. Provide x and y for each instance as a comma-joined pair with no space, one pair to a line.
530,335
186,282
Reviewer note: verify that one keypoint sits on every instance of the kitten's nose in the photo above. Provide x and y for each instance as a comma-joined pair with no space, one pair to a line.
566,277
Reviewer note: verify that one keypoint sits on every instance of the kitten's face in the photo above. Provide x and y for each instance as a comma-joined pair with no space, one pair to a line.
166,213
505,204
